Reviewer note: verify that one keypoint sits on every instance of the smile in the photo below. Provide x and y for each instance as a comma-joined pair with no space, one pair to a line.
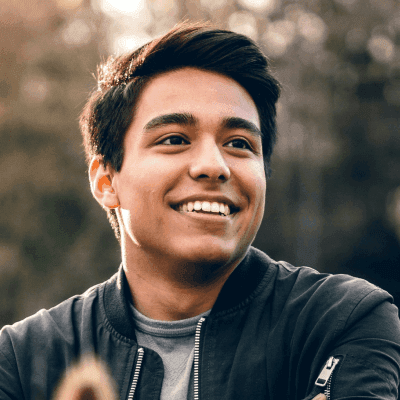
204,207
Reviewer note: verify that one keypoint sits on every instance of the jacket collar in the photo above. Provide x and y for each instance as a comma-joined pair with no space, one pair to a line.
250,276
117,297
244,283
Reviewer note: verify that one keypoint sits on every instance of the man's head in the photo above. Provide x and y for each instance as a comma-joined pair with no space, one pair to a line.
112,109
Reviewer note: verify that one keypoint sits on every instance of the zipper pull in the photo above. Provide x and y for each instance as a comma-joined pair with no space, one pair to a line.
327,371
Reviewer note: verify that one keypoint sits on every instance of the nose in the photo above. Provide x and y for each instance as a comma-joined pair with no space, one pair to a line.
209,163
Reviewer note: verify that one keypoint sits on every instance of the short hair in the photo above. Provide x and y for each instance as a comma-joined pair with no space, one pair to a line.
111,108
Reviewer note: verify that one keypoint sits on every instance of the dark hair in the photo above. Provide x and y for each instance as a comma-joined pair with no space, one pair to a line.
111,108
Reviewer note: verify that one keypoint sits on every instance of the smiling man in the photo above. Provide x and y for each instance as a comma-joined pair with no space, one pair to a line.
190,192
178,138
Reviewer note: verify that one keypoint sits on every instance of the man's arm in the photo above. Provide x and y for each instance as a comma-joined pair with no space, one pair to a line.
369,357
10,385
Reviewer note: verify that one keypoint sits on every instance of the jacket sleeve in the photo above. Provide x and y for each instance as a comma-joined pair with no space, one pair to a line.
10,385
369,354
33,355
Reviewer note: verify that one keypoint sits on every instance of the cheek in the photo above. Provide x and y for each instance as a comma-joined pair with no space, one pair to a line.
255,182
142,188
254,185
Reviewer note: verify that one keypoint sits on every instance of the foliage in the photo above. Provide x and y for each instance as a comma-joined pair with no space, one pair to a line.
333,200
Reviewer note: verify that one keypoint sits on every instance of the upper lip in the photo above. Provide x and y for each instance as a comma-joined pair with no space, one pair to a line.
234,207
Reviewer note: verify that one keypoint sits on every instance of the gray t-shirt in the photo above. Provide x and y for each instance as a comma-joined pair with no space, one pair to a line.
174,342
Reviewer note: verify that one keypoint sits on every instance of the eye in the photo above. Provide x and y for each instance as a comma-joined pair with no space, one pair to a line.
239,144
174,141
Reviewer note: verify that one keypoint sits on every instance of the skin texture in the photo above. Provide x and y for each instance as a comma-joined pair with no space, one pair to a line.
175,262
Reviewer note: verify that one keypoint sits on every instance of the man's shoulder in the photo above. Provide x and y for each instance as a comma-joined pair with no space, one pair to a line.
304,292
46,343
59,321
306,279
320,283
304,289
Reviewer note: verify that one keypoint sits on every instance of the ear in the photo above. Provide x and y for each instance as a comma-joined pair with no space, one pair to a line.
101,183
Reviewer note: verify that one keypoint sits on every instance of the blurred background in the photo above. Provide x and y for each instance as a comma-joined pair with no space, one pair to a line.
333,202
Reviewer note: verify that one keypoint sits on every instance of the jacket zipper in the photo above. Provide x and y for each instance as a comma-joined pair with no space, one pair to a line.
197,358
325,377
136,373
327,391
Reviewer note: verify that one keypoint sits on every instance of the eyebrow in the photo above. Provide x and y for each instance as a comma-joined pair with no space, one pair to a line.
183,119
187,119
241,123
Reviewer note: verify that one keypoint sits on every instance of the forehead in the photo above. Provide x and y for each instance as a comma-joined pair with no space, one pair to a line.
207,95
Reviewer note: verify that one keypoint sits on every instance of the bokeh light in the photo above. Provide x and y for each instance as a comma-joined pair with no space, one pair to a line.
243,22
77,33
312,28
126,7
265,6
278,36
381,48
34,89
293,12
213,5
166,8
129,21
125,43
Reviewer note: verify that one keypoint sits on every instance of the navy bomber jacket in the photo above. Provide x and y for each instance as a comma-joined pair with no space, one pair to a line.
274,331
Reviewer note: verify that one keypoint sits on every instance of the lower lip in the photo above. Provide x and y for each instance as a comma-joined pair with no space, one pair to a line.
207,216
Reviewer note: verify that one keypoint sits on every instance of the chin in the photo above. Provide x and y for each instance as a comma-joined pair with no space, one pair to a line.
202,269
213,253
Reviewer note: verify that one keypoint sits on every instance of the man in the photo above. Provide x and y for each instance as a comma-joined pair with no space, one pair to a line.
179,137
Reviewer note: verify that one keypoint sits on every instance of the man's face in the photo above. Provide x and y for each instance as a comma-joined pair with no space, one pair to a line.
193,143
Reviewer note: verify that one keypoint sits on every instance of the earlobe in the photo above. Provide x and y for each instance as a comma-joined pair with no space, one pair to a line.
101,184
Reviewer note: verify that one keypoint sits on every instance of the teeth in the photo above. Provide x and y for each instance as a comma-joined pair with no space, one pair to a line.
197,205
215,207
205,206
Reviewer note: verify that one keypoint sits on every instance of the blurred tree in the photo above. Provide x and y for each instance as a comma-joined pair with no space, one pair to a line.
52,239
333,201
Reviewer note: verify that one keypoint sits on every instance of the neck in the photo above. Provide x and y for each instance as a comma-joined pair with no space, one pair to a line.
168,292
